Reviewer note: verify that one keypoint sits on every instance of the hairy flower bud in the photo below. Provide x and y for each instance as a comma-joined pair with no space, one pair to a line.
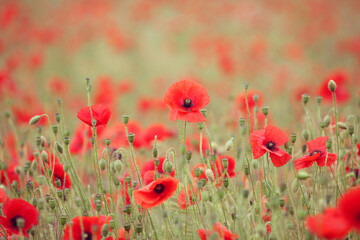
34,120
332,86
210,175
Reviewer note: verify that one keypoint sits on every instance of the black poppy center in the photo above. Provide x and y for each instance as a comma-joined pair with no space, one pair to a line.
271,145
187,103
159,188
14,221
315,152
87,236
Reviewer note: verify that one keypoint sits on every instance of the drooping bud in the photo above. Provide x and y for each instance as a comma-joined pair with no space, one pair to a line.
332,86
210,175
341,125
168,167
34,120
327,120
229,144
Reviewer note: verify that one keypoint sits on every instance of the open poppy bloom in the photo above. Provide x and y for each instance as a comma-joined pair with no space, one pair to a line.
98,112
156,192
317,153
269,140
330,225
17,211
223,232
148,170
185,99
350,208
85,228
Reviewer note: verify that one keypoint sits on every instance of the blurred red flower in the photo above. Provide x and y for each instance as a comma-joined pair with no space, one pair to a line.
317,153
350,208
156,192
89,226
223,232
15,210
269,140
185,100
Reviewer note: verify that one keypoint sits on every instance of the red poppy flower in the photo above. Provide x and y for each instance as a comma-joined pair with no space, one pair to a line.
85,228
19,209
317,150
342,94
148,170
3,196
59,174
185,100
100,113
223,232
193,195
350,208
156,192
330,225
269,140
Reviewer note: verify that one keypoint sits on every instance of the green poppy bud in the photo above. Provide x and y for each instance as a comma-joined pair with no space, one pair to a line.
34,120
332,86
102,164
302,175
118,165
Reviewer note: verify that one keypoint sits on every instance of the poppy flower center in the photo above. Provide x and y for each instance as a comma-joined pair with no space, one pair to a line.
87,236
315,152
187,103
271,145
14,221
159,188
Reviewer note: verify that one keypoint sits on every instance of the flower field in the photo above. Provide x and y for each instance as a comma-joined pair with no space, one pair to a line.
179,119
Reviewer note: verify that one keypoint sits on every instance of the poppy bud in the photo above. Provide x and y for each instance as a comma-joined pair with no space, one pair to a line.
341,125
225,162
255,164
102,164
318,99
332,86
59,147
265,110
155,152
40,204
328,144
302,175
204,112
66,141
60,194
295,185
67,133
57,117
197,172
322,124
116,182
52,203
45,156
34,120
293,138
229,144
226,182
112,224
305,134
63,219
242,122
327,120
14,185
305,98
188,155
168,167
118,165
105,230
351,130
125,118
203,181
210,175
131,137
247,170
200,126
107,142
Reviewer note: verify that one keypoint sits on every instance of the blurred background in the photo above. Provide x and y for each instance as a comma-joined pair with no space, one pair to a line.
134,50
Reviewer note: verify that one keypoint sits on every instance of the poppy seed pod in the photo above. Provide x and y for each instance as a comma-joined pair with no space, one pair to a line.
128,179
293,138
57,117
197,172
60,194
332,86
107,142
156,163
351,130
131,137
242,122
226,182
127,227
203,181
210,175
63,219
125,118
318,99
188,155
200,126
138,228
265,110
34,120
305,98
52,203
66,141
246,85
225,163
